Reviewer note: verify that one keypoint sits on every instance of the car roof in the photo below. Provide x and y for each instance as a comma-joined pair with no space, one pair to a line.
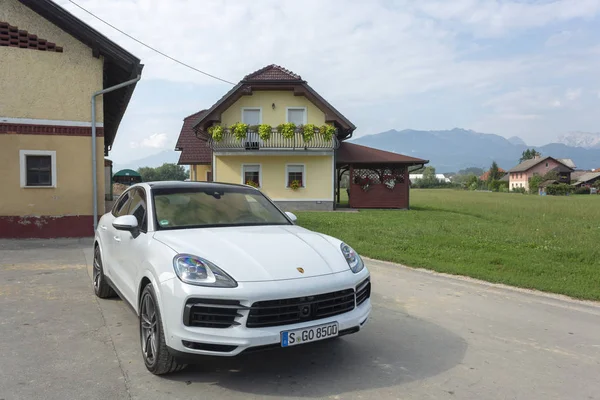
191,185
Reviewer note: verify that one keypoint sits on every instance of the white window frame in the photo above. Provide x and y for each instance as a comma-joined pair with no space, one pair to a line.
259,109
259,173
287,174
296,108
23,167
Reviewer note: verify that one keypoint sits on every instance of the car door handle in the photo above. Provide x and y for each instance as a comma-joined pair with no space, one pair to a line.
103,227
118,239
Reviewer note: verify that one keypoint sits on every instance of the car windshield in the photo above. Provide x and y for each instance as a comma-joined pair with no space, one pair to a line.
179,208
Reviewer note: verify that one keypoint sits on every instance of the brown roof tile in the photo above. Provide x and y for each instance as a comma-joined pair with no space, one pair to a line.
193,150
272,73
12,36
350,153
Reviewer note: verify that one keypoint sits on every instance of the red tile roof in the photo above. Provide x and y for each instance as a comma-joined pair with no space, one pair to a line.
486,174
193,150
272,73
350,153
11,36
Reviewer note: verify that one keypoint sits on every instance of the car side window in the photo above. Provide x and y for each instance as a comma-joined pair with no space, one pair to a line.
120,207
138,208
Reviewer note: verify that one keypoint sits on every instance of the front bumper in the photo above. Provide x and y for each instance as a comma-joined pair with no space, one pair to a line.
233,340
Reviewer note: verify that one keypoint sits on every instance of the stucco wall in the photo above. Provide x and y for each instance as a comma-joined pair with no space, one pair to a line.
47,85
73,194
265,99
198,172
318,175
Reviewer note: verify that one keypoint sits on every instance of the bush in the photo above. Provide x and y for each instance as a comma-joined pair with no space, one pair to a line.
562,189
518,190
582,190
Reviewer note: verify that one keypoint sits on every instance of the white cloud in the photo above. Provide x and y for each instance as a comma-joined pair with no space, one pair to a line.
360,54
155,141
559,38
573,94
495,17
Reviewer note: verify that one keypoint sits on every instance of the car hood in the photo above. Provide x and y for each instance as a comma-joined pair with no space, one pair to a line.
260,253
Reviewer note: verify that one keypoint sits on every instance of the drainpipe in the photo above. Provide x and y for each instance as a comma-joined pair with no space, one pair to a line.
94,166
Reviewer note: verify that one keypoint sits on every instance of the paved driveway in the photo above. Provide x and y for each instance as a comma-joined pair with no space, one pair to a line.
430,337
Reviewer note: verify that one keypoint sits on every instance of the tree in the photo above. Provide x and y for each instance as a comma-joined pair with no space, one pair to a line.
495,173
471,171
529,154
429,178
166,172
534,183
148,174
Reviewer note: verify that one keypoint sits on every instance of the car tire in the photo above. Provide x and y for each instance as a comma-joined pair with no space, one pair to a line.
156,356
101,287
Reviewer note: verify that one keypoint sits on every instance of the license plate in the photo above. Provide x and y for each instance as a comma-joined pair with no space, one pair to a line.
310,334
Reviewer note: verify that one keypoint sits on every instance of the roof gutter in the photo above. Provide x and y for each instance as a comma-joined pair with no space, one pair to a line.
94,166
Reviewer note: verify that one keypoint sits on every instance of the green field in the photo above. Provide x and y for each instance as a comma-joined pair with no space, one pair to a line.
541,242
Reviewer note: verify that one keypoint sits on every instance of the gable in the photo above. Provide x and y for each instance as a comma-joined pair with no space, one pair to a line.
275,78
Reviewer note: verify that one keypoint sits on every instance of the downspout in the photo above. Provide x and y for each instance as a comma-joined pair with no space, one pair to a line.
94,166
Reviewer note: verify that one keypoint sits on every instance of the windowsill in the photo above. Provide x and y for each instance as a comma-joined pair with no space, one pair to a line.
38,187
301,187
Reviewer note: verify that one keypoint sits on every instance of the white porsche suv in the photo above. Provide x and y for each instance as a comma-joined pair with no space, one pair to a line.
218,269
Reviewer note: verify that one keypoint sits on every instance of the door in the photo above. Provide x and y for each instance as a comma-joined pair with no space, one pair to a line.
132,246
252,117
109,236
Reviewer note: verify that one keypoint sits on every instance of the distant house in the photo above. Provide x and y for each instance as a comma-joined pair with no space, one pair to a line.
587,179
485,176
519,175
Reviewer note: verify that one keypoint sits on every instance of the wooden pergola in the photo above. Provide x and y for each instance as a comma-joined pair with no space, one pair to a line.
378,179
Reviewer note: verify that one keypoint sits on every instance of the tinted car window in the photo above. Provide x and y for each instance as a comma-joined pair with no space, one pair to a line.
180,208
120,207
137,208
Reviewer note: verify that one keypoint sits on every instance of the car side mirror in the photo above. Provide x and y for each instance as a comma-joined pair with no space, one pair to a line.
126,223
291,216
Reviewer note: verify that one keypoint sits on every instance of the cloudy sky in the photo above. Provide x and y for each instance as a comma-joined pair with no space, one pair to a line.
512,67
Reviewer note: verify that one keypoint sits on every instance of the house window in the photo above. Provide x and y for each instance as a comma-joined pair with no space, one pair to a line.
251,175
297,115
38,168
295,173
251,116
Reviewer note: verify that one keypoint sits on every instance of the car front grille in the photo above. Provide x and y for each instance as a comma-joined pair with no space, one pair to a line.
363,291
300,309
211,313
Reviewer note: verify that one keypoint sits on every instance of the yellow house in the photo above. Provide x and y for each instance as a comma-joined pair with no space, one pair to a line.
273,131
52,66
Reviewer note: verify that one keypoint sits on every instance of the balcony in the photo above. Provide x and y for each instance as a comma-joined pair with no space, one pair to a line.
252,141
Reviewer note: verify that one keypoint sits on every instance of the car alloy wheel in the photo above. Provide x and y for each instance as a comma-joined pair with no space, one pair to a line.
149,329
101,286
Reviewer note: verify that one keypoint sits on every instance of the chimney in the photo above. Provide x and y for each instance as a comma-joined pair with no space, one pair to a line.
536,157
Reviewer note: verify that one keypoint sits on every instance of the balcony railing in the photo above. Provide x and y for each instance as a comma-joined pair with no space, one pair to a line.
276,142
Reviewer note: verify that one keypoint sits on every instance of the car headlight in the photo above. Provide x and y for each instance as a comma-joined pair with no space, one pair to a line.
198,271
355,263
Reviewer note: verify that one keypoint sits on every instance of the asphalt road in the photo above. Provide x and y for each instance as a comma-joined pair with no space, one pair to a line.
430,337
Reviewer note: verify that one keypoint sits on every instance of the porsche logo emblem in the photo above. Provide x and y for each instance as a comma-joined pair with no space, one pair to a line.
301,270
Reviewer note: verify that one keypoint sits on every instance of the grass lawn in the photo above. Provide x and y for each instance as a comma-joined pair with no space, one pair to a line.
541,242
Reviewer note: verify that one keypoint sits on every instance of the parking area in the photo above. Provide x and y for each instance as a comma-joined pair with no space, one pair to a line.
430,337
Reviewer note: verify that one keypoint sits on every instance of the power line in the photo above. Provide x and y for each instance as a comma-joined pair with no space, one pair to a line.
150,47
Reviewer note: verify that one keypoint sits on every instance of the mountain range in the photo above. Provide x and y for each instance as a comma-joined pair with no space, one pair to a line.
449,150
456,149
581,139
154,160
